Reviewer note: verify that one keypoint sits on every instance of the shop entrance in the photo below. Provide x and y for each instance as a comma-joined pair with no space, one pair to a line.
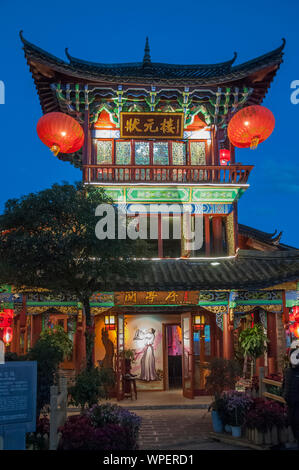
174,355
168,351
198,348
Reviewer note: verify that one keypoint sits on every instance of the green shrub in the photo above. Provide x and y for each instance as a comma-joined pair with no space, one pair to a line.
49,351
91,385
224,374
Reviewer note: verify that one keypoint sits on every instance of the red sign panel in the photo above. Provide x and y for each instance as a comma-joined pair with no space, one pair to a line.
151,125
157,298
6,318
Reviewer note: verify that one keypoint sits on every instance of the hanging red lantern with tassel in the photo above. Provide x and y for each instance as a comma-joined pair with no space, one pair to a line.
7,335
250,126
60,132
224,156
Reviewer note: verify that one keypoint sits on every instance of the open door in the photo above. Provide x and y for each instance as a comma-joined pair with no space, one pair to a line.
120,355
187,356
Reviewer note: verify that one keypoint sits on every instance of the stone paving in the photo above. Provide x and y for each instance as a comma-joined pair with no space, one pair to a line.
178,429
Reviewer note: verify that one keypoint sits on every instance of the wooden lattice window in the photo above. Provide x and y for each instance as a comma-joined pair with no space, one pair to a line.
198,153
104,151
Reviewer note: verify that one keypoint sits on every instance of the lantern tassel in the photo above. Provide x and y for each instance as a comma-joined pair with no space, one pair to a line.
55,149
254,143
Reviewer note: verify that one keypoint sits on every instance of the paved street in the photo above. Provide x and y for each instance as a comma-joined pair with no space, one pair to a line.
178,430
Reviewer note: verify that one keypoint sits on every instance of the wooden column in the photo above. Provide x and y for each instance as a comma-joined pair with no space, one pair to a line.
232,154
22,324
236,226
217,235
86,154
36,327
227,337
160,241
207,235
80,349
272,345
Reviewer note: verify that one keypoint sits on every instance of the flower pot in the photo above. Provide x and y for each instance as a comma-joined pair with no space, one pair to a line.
258,437
228,428
274,436
216,421
283,435
236,431
268,439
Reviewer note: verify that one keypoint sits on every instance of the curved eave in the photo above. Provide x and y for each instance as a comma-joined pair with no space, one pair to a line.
93,72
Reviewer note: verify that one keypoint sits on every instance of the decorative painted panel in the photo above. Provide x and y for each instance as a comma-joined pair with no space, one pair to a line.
207,201
198,153
157,195
142,153
178,153
122,153
214,195
160,153
104,151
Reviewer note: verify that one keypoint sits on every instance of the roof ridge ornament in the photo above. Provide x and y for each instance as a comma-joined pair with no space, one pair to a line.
66,51
147,57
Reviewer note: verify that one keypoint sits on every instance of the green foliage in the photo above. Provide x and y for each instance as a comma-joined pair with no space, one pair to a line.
91,385
253,341
253,344
59,339
129,354
48,351
47,240
224,373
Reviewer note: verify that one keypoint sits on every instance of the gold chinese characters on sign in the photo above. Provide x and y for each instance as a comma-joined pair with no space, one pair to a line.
151,125
157,298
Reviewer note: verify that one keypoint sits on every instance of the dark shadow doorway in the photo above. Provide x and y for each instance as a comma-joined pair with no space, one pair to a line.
174,349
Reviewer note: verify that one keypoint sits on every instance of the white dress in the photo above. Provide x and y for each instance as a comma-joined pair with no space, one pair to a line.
148,369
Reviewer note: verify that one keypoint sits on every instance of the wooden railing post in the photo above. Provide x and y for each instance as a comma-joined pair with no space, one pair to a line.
262,387
58,410
53,417
63,391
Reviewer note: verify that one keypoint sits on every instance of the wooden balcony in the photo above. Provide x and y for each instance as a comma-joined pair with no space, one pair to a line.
232,174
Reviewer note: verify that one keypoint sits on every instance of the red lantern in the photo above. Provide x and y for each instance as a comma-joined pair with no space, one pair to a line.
250,126
296,330
6,335
224,156
6,317
60,132
295,313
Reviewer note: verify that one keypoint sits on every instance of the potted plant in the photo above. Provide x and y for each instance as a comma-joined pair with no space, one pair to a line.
223,375
264,417
236,407
217,407
129,357
253,344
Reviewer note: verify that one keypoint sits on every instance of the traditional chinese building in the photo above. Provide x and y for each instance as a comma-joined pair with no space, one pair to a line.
153,135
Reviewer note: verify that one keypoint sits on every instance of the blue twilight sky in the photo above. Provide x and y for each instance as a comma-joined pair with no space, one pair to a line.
179,32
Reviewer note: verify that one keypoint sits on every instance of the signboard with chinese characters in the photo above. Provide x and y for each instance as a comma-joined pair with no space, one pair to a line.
151,125
17,403
157,298
18,393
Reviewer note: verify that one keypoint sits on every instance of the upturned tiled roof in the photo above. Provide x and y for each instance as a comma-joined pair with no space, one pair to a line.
155,71
249,270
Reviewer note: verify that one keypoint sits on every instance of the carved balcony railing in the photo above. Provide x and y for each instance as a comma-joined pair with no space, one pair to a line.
232,174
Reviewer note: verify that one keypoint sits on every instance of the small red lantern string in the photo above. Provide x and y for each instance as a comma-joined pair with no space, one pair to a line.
224,156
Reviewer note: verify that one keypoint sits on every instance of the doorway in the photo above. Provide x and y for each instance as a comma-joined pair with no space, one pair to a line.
174,356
